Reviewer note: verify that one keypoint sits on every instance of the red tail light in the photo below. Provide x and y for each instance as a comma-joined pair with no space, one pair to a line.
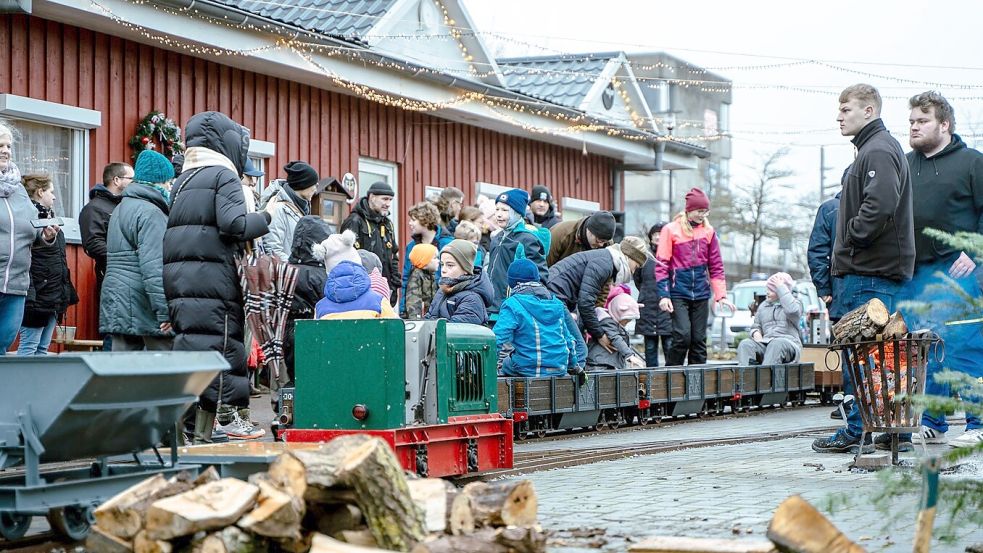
360,412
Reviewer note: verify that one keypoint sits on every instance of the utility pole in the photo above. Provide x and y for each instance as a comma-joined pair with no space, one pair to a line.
822,174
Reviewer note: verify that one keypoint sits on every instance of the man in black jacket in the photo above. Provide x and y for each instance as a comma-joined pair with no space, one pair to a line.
207,227
874,250
947,192
374,231
94,217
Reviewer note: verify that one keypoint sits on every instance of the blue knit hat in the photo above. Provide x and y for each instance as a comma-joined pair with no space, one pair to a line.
153,168
522,270
516,199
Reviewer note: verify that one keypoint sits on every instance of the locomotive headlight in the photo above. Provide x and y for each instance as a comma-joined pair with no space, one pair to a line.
360,412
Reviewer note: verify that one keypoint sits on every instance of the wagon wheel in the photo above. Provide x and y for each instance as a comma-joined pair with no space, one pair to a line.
72,522
644,417
13,526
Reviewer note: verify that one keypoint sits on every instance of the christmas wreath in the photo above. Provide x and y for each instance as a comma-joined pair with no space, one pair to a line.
156,129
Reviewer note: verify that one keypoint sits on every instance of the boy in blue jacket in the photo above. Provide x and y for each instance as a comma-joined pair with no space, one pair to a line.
535,334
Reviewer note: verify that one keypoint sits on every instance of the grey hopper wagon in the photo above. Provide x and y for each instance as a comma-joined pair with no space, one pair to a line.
62,417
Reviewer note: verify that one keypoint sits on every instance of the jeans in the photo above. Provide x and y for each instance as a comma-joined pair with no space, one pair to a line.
11,315
858,290
35,340
652,349
689,332
963,343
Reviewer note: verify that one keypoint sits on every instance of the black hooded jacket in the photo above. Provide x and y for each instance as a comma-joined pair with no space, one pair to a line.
375,233
94,224
206,229
652,321
947,192
310,271
577,281
51,290
874,228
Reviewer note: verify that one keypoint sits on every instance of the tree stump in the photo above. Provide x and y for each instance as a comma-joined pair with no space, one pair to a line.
504,503
277,514
232,540
798,526
861,324
374,473
206,507
488,540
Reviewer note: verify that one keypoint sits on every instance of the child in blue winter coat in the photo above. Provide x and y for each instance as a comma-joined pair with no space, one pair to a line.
535,334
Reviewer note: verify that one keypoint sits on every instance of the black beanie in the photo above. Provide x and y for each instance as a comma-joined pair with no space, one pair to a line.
380,189
300,175
602,225
540,192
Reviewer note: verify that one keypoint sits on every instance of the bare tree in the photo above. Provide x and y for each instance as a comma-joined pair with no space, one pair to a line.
758,209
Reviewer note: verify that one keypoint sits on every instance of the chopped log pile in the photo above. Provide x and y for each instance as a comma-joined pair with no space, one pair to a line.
870,321
349,496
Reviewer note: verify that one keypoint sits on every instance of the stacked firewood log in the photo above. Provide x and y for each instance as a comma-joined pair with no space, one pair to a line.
348,496
870,321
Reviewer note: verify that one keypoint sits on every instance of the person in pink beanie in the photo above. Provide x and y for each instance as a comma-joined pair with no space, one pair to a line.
690,273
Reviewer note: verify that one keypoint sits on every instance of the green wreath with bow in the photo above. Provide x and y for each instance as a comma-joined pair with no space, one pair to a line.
157,132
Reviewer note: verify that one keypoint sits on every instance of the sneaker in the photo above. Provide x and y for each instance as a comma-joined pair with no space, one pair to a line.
241,429
841,442
836,415
929,435
883,443
969,438
219,436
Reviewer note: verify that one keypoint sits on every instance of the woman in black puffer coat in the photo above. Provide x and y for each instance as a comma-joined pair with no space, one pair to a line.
206,230
51,290
654,324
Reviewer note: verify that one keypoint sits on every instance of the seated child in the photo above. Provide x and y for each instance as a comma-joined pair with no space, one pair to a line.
534,335
347,290
775,330
465,293
421,287
373,266
622,309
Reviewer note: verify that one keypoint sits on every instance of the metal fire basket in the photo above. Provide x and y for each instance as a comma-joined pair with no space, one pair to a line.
886,374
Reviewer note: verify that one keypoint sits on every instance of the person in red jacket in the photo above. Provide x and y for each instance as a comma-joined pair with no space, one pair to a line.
690,272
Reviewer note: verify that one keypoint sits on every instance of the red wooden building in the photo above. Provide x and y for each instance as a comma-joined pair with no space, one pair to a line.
77,76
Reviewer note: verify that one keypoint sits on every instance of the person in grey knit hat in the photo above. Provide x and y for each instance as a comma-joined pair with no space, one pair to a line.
464,292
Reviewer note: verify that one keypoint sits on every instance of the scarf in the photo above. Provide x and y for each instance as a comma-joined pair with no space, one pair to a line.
9,180
43,212
163,192
303,205
451,286
198,156
620,264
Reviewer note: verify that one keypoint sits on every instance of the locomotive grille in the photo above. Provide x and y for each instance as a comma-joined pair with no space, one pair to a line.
470,385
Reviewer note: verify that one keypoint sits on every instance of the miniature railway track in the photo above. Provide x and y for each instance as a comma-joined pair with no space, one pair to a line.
534,461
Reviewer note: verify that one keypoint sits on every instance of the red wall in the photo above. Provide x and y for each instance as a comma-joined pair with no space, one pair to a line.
125,80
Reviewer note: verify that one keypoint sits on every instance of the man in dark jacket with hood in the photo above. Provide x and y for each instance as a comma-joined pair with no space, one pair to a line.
589,233
206,229
874,250
310,279
820,255
94,217
947,190
374,231
542,210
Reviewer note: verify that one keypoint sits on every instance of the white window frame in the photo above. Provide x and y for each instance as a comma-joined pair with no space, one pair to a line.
490,190
260,151
379,166
78,120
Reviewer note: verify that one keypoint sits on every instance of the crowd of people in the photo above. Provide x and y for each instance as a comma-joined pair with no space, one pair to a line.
167,235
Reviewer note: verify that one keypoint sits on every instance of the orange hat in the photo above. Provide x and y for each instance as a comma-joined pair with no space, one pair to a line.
422,254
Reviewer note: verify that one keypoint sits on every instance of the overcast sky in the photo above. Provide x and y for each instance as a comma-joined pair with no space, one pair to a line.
899,46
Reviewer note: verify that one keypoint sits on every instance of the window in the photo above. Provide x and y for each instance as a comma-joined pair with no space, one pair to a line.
371,171
574,208
259,152
489,190
54,138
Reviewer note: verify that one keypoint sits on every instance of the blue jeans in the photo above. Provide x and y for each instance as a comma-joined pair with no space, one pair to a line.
652,348
963,343
11,315
35,340
858,290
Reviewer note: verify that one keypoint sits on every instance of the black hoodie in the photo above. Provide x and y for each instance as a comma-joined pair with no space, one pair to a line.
874,229
374,232
947,191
